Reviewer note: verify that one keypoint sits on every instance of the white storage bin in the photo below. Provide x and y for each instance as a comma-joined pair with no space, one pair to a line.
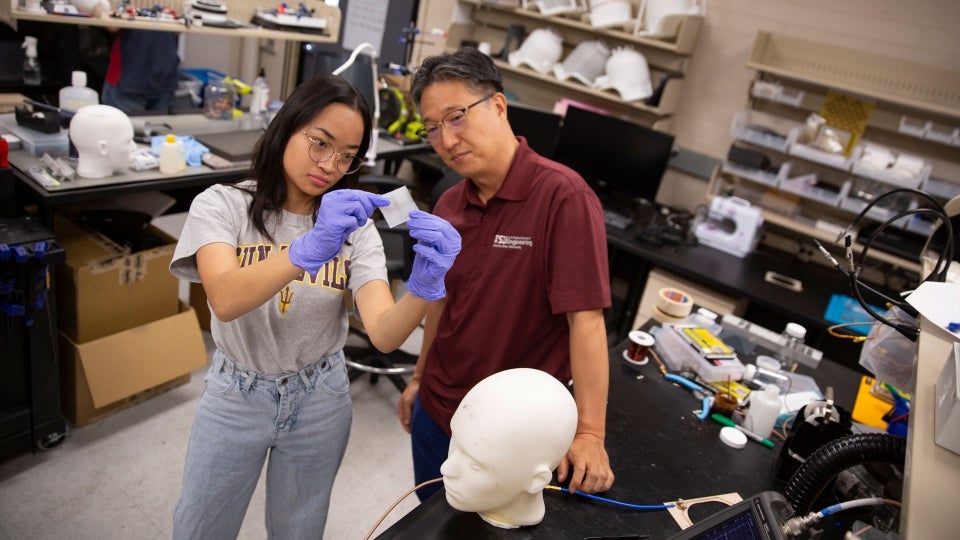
902,170
759,176
864,190
809,186
942,134
913,126
762,129
777,93
941,188
805,151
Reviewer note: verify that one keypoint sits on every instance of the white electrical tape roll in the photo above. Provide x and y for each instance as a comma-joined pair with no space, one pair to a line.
674,302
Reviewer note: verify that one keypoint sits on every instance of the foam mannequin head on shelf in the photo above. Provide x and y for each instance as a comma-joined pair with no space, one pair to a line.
93,7
508,435
103,136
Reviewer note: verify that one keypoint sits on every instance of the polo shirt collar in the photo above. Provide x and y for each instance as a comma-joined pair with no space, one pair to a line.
516,186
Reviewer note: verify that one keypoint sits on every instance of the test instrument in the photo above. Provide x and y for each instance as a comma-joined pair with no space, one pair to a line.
761,516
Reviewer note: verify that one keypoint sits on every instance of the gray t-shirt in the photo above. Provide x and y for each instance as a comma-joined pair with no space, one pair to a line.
305,320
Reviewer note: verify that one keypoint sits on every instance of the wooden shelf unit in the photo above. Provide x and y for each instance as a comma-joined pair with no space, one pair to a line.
488,22
501,15
909,100
869,75
241,10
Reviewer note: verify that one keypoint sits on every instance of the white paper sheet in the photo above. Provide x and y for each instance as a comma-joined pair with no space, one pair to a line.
939,303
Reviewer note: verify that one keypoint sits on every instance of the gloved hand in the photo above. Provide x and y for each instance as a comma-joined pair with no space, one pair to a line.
437,246
341,212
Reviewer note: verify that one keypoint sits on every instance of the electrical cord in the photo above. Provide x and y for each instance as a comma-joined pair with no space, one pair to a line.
398,501
856,338
612,501
938,273
909,331
550,487
798,525
937,207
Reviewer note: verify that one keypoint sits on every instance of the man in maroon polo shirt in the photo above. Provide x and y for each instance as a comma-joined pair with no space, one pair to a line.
531,280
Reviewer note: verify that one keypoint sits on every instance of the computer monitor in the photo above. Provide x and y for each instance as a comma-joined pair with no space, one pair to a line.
619,159
539,126
317,59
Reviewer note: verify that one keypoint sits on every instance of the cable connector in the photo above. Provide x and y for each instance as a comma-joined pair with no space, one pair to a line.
798,525
848,244
909,331
827,254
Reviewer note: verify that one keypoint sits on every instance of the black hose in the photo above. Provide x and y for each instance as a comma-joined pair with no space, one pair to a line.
806,485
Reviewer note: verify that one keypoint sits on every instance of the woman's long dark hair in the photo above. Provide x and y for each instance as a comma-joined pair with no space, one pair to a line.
307,101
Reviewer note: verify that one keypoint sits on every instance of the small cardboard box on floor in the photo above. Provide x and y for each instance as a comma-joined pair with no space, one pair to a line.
103,376
103,288
124,335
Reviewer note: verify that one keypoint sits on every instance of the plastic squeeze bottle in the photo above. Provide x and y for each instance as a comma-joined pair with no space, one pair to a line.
78,95
260,94
172,156
764,410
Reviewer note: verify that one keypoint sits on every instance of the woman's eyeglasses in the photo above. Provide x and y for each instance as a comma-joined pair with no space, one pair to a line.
320,151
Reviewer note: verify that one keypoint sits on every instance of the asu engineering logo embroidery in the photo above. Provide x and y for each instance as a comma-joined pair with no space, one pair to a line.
512,242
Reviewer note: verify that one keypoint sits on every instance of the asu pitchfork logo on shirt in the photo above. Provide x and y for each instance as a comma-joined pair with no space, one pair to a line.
332,276
512,242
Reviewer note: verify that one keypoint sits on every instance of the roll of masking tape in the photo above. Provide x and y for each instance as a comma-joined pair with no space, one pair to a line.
674,302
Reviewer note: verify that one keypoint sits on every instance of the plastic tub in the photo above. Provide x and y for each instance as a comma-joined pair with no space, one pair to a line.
678,355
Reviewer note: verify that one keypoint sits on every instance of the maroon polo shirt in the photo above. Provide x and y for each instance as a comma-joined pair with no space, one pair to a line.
536,251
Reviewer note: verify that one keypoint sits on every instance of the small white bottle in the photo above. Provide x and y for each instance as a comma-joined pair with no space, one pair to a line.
794,334
31,67
172,156
78,95
260,94
764,377
764,410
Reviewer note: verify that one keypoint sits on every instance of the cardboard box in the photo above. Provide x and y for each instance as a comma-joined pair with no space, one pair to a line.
103,376
103,289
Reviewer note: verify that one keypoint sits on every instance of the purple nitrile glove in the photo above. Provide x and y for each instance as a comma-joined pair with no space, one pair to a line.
341,212
437,246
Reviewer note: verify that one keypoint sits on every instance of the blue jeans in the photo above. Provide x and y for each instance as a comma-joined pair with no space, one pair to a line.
135,103
430,445
300,420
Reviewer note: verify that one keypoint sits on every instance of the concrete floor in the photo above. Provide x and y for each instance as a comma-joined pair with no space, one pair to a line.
119,478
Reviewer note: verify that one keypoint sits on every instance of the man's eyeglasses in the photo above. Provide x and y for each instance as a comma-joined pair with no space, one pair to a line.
454,120
320,151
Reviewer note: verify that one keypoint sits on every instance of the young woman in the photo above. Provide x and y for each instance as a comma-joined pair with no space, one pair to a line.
276,255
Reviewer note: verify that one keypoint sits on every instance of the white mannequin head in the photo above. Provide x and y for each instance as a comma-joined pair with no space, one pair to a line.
97,8
508,435
103,136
